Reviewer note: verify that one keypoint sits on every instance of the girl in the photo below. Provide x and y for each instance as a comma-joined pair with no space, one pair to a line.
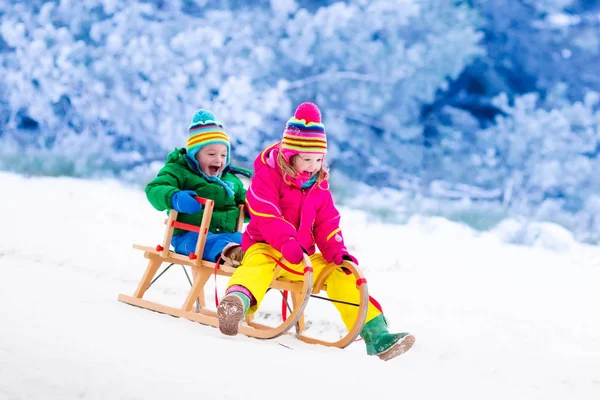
291,211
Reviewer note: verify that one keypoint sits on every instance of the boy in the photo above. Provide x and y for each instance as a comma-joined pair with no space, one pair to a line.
202,169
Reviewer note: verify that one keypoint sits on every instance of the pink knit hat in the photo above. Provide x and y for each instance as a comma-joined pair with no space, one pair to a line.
304,132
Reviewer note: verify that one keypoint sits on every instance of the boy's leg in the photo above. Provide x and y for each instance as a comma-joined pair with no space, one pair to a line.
216,242
232,253
185,243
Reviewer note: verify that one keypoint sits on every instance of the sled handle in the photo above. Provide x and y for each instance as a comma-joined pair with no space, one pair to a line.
201,200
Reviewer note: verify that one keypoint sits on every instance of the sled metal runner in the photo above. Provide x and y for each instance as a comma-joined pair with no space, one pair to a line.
202,271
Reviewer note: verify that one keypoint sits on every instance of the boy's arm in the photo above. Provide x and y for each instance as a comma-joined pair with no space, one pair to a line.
262,202
237,170
327,231
240,195
160,190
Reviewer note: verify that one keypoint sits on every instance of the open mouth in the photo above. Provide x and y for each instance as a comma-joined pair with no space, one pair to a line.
213,170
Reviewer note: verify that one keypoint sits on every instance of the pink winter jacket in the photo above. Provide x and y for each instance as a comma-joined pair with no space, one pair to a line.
280,210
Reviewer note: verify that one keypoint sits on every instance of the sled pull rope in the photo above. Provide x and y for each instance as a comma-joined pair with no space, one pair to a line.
359,283
285,267
217,263
284,305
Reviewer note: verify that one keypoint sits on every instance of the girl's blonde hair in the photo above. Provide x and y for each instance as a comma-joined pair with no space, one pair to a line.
288,170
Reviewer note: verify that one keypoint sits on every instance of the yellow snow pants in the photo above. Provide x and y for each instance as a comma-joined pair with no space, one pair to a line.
257,269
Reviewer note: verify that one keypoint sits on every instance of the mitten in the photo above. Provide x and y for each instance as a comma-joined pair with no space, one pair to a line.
338,258
292,251
184,201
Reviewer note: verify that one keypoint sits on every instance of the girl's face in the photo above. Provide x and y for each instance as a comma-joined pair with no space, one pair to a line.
307,165
212,159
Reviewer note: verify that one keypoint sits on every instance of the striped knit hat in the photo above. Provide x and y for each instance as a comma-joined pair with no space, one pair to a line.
205,130
304,132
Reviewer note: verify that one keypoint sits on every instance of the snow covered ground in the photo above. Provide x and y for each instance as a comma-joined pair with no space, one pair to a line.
492,320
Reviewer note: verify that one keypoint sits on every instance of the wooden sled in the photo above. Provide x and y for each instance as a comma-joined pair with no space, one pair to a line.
202,270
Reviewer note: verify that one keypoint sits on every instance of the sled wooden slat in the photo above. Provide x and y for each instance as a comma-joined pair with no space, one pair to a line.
168,234
202,271
240,221
206,217
267,333
208,317
175,258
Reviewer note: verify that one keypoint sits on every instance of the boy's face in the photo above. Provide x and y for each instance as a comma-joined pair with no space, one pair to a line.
307,165
212,159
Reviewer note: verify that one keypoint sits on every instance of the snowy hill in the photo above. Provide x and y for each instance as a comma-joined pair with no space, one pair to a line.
492,320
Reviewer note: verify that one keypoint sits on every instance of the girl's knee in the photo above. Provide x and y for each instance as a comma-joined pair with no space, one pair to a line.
257,252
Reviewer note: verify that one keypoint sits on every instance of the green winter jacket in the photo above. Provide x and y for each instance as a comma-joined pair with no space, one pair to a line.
179,174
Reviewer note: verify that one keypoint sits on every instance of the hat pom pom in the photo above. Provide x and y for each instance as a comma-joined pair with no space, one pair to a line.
202,116
309,112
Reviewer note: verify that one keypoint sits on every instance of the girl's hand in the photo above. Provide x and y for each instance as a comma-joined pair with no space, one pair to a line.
338,258
292,251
